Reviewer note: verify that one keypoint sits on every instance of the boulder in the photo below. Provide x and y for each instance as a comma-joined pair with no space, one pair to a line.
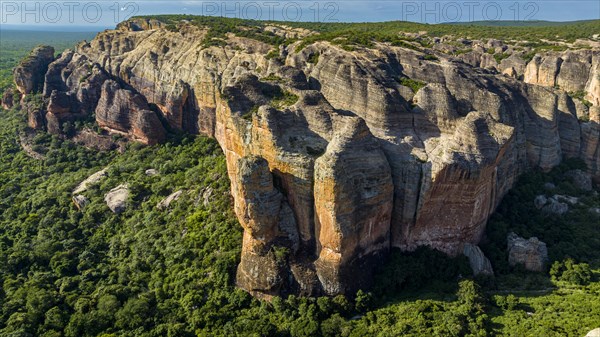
166,202
116,199
8,99
566,199
532,253
555,207
80,201
91,180
479,263
540,201
593,333
151,172
595,211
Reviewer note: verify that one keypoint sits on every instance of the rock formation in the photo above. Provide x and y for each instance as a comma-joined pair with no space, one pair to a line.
336,156
91,180
166,202
125,112
80,201
479,263
116,199
8,99
532,254
29,74
554,206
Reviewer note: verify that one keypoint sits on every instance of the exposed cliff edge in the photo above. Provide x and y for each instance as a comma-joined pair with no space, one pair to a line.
334,156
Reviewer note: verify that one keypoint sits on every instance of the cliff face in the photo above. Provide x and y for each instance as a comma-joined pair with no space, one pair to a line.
332,156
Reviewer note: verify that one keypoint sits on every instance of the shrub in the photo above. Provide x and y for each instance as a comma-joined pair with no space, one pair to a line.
570,272
414,85
284,99
431,57
313,58
580,95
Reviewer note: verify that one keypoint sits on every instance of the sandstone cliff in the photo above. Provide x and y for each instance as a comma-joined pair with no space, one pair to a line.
335,156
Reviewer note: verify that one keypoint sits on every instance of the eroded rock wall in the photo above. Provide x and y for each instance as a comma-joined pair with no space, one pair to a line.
333,158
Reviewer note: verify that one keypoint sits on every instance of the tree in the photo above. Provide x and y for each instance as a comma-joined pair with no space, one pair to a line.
363,301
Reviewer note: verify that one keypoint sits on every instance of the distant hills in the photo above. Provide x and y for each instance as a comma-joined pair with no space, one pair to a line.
532,23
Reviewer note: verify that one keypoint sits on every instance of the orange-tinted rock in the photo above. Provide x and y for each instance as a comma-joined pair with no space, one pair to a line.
353,205
335,159
123,111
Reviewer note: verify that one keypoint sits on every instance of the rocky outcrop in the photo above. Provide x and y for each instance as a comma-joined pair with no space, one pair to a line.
151,172
29,74
80,201
91,180
8,99
264,214
555,206
479,263
125,112
116,199
352,185
590,143
335,156
540,201
571,71
166,202
532,254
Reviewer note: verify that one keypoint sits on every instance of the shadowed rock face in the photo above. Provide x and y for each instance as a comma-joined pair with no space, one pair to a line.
8,99
334,161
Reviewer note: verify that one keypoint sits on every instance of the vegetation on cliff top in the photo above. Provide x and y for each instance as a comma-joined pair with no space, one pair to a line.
364,34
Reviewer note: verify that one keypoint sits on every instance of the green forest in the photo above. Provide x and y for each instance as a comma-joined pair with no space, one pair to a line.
171,272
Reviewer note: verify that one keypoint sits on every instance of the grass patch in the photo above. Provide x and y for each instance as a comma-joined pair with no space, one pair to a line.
414,85
283,99
580,95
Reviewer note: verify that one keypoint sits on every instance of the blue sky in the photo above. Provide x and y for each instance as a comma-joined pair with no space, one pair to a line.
108,13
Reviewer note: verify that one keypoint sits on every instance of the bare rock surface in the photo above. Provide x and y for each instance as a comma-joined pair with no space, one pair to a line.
91,180
555,206
166,202
540,201
593,333
151,172
80,201
124,112
8,99
478,261
532,253
116,199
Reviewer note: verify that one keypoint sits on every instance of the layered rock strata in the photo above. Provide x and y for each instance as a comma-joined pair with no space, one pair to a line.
333,157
